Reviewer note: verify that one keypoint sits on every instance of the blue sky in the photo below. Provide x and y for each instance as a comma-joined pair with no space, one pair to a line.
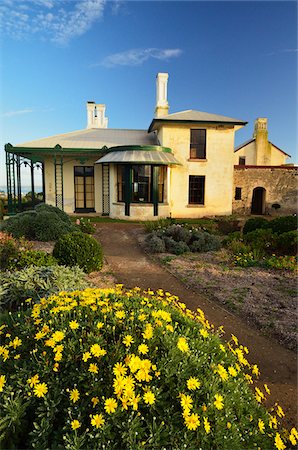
233,58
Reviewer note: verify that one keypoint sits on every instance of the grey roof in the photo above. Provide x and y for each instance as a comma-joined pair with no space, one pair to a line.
95,138
139,157
192,115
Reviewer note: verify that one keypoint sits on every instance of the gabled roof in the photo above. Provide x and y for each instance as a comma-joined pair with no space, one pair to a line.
253,140
193,116
95,138
243,145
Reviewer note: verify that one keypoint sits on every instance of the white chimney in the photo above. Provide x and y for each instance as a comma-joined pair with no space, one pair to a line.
162,106
96,115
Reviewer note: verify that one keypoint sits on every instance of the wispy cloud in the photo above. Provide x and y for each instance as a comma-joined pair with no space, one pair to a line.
283,50
17,112
59,21
136,57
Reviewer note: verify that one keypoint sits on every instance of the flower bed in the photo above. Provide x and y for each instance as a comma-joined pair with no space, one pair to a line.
110,368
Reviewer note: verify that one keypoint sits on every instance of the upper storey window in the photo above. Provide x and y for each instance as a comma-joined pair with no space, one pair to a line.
197,144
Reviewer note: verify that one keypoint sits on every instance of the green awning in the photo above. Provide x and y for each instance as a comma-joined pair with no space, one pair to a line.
139,155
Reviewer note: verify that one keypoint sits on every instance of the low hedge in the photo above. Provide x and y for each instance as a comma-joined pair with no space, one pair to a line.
37,282
79,249
116,369
45,223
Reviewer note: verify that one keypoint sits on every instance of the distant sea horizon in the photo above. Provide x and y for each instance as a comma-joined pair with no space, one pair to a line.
24,190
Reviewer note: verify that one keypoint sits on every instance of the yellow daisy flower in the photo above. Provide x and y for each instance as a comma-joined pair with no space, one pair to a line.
75,424
110,405
97,420
74,395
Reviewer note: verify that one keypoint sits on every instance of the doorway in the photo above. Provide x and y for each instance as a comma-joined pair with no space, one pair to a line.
258,200
84,188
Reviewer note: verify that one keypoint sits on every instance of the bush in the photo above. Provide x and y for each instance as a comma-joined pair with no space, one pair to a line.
204,242
246,259
179,239
78,249
261,239
178,233
21,225
46,223
9,249
38,282
228,225
283,224
155,244
49,227
123,370
43,207
237,246
28,258
281,262
153,225
235,236
175,247
287,243
85,226
254,224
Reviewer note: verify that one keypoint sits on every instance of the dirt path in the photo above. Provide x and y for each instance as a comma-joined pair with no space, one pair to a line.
132,267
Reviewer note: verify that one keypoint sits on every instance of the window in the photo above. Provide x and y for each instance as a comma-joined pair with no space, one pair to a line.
196,195
137,180
241,160
141,183
238,193
197,144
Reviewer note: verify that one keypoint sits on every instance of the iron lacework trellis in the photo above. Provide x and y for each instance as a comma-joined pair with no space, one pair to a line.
14,162
34,157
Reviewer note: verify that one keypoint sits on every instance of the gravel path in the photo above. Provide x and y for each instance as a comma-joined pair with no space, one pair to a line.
132,267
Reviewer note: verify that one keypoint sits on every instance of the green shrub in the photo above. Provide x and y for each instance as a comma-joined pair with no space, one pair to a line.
152,225
49,227
255,223
228,225
287,243
79,249
112,369
43,207
283,224
246,260
28,258
38,282
21,225
235,236
85,226
261,239
178,233
237,246
46,223
9,249
204,242
281,262
179,239
155,244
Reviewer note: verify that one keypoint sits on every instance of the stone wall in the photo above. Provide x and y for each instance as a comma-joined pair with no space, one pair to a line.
280,184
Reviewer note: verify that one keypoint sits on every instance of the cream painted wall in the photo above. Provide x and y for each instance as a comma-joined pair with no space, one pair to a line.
249,151
274,158
68,182
217,168
277,157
